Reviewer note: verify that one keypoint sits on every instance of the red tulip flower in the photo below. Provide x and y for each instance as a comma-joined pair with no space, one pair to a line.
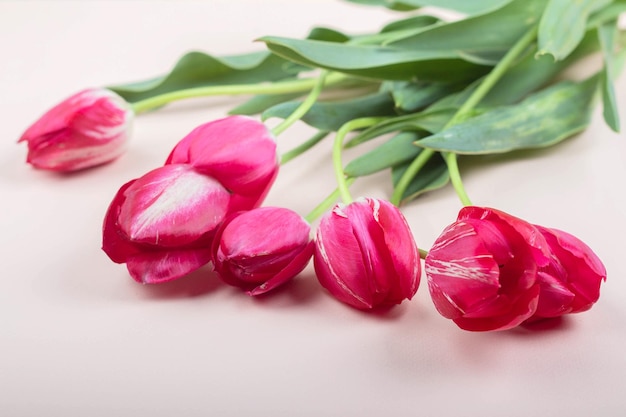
365,254
482,270
162,224
261,249
87,129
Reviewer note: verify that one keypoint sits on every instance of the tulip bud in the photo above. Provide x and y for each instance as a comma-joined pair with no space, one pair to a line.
570,283
87,129
260,249
162,224
238,151
365,254
482,270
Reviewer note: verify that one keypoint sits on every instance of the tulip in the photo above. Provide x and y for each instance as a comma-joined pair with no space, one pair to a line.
162,224
365,254
482,270
238,151
87,129
261,249
570,283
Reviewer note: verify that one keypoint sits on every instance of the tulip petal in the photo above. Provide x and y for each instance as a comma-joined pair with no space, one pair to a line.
282,230
578,269
339,262
400,244
238,151
114,243
555,299
502,313
171,206
461,269
379,276
293,268
162,266
529,232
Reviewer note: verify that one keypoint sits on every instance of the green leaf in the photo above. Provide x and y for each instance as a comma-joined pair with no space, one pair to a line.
490,35
542,119
433,175
606,34
462,6
378,62
397,150
197,69
332,115
563,25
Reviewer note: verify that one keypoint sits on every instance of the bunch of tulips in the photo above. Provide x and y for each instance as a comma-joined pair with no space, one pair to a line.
488,270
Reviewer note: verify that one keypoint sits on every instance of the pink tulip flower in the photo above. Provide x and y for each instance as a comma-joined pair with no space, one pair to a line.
162,224
238,151
365,254
261,249
482,270
570,283
87,129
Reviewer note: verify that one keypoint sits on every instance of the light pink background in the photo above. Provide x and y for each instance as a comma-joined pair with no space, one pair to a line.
79,338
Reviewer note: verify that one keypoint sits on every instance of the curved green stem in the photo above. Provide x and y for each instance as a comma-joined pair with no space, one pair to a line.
423,253
481,91
455,178
409,174
327,203
304,107
281,87
337,147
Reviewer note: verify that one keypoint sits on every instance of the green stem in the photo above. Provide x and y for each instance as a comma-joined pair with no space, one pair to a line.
326,204
484,87
304,107
455,178
337,147
415,167
281,87
494,75
423,253
305,146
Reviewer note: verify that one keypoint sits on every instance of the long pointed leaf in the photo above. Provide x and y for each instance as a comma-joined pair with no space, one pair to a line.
542,119
197,69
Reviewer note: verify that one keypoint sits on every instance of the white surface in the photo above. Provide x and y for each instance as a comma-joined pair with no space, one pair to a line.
79,338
